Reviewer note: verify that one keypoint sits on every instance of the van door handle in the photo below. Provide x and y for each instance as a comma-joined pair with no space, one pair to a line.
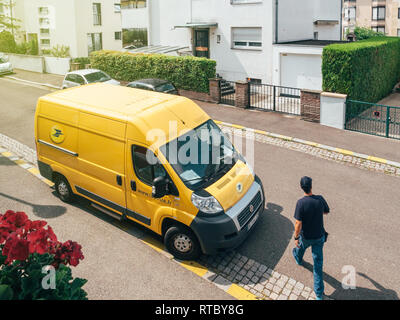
119,180
133,185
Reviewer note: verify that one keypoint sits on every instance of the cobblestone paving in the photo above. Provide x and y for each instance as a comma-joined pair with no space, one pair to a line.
262,281
19,149
317,152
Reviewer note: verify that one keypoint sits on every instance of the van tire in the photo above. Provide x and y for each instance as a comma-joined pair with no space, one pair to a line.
182,243
63,189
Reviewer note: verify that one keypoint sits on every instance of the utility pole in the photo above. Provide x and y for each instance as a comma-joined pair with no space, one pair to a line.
12,18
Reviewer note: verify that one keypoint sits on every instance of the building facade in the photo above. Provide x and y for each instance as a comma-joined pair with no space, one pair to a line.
379,15
249,39
81,25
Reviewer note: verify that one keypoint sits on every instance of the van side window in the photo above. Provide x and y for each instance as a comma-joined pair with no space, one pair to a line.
144,170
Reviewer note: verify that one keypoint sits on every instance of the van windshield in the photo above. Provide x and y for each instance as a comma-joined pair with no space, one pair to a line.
201,156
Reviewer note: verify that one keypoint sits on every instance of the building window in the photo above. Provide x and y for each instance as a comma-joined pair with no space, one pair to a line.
350,13
45,42
246,38
118,35
379,29
117,7
97,14
95,42
378,13
44,21
44,31
398,13
43,11
398,32
133,4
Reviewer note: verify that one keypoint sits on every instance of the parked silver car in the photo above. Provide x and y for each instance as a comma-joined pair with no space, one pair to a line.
86,76
5,65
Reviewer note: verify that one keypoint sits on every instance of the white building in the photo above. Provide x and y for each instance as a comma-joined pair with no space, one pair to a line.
82,25
271,41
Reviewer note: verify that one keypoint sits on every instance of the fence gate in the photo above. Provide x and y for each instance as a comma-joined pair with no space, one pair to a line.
275,98
228,92
372,118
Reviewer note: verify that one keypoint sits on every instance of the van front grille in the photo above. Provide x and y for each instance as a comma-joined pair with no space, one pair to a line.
246,214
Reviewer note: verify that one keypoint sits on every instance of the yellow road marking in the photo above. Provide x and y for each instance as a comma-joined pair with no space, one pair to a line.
19,161
156,245
7,154
34,171
240,293
50,183
344,151
377,159
194,267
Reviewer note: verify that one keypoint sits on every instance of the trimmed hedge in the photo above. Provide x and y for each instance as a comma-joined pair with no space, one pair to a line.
189,73
365,70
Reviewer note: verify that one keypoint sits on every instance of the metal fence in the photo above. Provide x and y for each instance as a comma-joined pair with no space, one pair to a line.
373,119
228,92
275,98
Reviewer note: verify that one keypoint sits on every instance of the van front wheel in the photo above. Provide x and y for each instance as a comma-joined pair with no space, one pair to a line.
63,189
182,243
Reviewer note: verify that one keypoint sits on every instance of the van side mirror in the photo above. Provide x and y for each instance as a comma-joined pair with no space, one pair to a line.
160,187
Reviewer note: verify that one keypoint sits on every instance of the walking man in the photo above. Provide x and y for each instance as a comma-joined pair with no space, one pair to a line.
309,231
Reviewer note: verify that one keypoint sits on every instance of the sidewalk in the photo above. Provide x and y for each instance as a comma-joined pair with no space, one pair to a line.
54,80
282,124
293,126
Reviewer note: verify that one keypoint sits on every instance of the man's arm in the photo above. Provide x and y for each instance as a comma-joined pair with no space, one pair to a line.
297,229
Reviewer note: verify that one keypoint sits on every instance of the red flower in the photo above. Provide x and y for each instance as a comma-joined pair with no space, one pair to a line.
40,240
16,248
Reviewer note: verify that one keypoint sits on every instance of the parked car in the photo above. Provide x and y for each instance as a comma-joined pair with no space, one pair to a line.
5,65
86,76
154,85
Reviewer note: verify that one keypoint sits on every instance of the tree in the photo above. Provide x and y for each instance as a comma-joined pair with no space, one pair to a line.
7,20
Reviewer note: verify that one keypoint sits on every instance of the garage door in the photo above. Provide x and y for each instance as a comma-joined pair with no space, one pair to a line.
301,71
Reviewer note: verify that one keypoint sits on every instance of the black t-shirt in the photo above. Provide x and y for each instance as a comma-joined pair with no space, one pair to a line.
310,210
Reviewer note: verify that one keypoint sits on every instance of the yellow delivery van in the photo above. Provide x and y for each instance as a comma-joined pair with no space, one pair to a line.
153,158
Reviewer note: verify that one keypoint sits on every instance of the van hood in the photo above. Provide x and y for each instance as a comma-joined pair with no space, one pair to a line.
232,186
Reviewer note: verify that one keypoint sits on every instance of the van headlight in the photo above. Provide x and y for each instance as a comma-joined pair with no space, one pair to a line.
206,204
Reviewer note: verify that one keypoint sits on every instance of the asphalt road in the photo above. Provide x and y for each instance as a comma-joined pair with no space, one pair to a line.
363,223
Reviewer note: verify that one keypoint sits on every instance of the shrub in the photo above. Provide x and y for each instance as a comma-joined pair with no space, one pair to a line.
366,33
26,247
60,51
82,61
7,42
189,73
365,70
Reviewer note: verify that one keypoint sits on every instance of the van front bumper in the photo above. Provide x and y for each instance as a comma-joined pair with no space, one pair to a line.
229,230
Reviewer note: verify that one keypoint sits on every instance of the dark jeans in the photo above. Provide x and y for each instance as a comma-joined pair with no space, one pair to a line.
318,257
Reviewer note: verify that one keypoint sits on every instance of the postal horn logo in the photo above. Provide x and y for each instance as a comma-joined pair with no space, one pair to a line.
239,187
57,134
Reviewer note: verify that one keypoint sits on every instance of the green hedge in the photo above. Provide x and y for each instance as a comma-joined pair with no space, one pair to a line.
189,73
365,70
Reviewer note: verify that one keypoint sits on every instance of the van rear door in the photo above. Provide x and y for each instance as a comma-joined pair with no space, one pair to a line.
102,161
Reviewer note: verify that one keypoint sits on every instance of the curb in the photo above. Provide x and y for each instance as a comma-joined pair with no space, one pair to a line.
313,144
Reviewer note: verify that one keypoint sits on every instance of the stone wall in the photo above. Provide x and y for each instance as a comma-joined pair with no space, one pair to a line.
310,101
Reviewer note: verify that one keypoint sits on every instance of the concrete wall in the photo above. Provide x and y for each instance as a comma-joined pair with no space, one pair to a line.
25,62
296,19
57,65
134,18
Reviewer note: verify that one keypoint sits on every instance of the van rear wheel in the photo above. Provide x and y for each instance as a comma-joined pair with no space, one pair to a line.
182,243
63,189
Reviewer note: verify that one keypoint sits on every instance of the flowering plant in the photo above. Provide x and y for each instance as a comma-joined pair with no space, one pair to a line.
25,248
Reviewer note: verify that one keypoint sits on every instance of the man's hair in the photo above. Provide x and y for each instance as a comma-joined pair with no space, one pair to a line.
306,184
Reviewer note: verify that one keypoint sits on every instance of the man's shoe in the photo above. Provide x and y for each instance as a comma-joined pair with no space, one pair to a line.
295,258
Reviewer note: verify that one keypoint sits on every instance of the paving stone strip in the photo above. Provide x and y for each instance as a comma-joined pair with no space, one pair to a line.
325,152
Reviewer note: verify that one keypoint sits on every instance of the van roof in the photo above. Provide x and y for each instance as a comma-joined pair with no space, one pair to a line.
144,109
